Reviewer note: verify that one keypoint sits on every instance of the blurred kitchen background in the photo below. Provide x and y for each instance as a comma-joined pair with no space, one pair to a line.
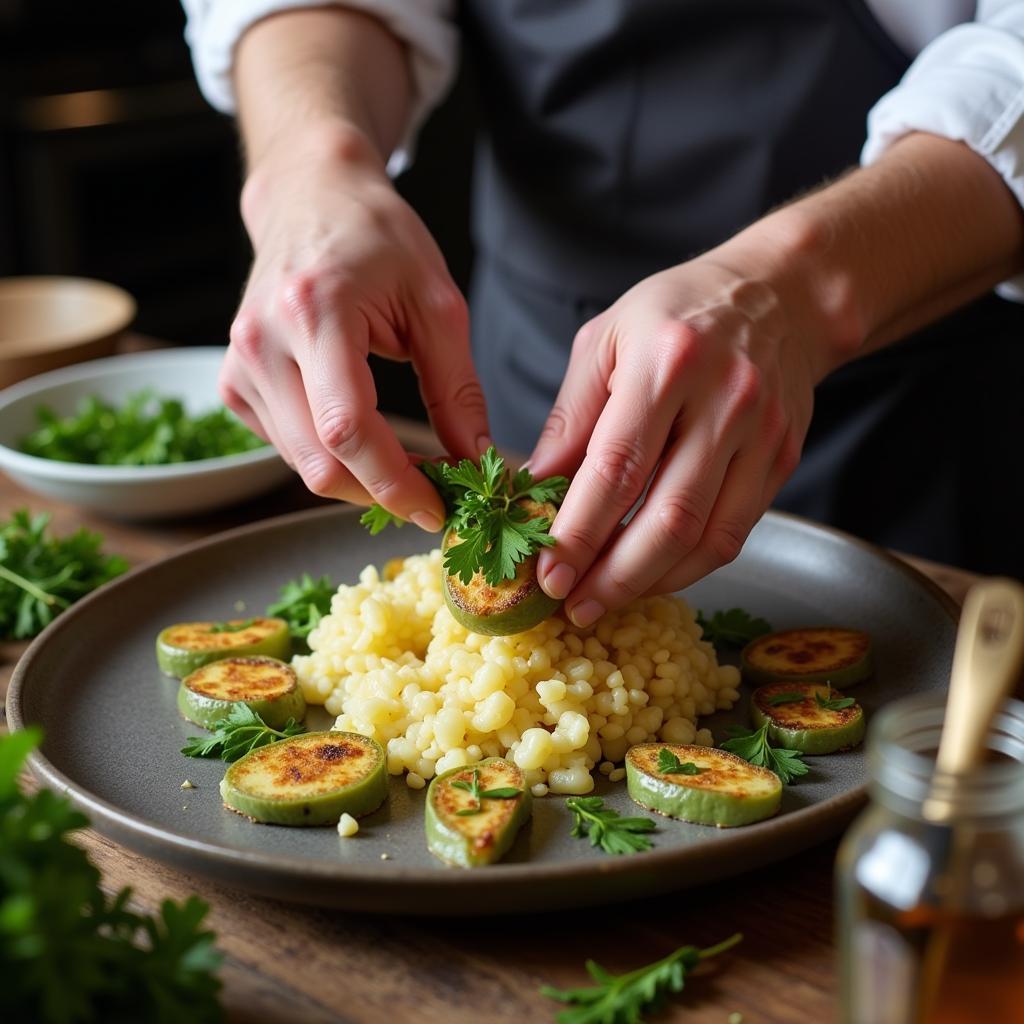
112,166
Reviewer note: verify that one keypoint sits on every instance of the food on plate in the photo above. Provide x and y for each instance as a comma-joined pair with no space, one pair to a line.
606,828
508,606
809,717
495,521
755,748
731,628
392,663
311,779
265,685
701,784
824,654
302,603
41,575
474,812
144,430
233,737
187,646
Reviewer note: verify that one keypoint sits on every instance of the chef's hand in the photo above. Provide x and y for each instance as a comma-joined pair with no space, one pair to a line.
698,381
344,267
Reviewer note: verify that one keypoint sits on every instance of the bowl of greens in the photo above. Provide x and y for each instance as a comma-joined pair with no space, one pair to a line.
140,436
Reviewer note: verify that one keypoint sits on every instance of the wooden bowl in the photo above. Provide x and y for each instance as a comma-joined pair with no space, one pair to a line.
48,322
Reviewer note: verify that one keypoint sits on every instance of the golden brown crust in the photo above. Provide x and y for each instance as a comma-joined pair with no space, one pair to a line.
242,678
196,636
804,714
722,772
795,651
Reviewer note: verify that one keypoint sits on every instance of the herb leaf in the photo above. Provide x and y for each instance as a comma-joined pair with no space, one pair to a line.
494,533
478,795
41,575
831,703
789,697
376,517
754,747
238,734
669,764
606,828
622,998
303,603
231,627
732,628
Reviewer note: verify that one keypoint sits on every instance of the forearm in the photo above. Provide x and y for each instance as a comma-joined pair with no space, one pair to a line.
889,248
327,72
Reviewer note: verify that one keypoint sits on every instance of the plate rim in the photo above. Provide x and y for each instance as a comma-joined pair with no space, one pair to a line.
116,823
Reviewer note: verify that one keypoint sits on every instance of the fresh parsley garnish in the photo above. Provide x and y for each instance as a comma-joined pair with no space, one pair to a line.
732,628
789,697
606,828
71,952
831,703
478,795
622,998
482,507
231,627
242,731
144,430
303,603
669,764
41,575
755,748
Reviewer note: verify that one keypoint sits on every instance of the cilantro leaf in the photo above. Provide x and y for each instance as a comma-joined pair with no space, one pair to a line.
376,517
669,764
606,828
303,603
732,628
789,697
831,703
478,795
235,736
231,627
754,747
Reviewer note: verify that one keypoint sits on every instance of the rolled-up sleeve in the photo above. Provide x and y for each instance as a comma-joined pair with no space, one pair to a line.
967,85
214,28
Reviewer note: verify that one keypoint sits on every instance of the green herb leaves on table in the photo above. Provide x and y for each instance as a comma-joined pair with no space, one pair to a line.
606,828
623,998
831,703
669,764
303,603
481,506
41,575
238,734
478,795
70,952
732,628
144,430
755,748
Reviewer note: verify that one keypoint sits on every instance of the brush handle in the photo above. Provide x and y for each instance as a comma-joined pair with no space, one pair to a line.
988,657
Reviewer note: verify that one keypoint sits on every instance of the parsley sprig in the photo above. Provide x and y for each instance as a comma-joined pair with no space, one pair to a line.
669,764
732,628
479,795
606,828
71,952
483,508
755,748
622,998
41,575
302,603
235,736
831,703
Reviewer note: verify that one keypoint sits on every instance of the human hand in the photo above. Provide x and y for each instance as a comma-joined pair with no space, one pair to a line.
700,380
344,267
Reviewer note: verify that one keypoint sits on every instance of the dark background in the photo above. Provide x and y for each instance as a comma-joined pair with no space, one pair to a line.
113,166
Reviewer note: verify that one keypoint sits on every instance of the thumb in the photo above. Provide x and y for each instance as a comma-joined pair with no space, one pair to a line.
448,381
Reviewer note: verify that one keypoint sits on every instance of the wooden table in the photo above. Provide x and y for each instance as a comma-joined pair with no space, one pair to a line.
306,966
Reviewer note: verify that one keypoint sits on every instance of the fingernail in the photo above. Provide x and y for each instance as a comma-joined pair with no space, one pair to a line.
483,442
426,521
586,613
559,580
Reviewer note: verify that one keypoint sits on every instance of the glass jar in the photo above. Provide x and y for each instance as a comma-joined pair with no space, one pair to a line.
931,898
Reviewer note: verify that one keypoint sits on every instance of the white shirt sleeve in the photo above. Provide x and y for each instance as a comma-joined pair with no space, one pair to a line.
215,26
967,84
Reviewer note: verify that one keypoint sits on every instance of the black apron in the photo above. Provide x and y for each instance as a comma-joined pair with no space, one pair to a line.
621,137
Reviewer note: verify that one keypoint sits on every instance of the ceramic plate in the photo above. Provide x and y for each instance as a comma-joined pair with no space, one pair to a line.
112,733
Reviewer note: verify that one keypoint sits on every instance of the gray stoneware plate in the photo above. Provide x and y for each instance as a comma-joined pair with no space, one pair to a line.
112,733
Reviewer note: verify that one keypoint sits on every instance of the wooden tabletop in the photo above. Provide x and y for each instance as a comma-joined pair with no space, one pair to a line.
307,966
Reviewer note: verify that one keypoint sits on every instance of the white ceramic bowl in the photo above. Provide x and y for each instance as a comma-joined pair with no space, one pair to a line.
133,492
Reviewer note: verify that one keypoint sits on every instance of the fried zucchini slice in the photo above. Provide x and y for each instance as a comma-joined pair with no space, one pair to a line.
312,779
470,840
267,686
726,790
823,654
187,646
804,724
512,606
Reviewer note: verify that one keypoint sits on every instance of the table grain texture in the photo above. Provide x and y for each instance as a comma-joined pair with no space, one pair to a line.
300,965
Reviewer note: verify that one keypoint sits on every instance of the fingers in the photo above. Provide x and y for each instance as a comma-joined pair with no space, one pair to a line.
451,390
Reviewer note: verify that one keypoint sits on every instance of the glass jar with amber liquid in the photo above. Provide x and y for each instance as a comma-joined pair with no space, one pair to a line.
931,905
